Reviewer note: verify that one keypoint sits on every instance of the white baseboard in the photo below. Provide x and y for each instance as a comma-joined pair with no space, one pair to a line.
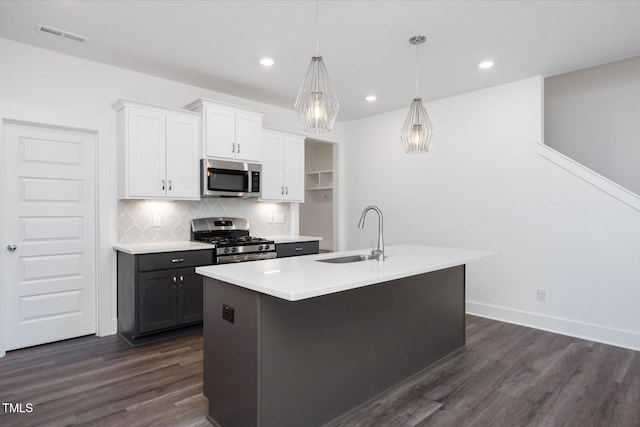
108,328
587,331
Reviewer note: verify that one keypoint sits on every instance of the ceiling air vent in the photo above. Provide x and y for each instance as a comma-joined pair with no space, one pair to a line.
61,33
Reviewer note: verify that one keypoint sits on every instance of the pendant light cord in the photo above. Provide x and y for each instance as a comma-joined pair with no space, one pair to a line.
317,31
417,74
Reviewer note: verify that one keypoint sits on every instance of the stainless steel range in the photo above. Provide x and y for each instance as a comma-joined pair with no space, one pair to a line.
232,240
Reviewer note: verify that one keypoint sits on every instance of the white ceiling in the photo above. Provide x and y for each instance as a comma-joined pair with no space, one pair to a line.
217,44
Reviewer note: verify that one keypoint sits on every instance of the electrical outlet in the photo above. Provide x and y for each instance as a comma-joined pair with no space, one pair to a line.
278,218
270,218
228,313
541,295
156,221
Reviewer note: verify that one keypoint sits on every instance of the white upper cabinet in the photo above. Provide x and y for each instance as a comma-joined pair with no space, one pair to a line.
282,166
183,163
230,132
158,152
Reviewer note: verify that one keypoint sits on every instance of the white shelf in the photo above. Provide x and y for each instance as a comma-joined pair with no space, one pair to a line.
320,180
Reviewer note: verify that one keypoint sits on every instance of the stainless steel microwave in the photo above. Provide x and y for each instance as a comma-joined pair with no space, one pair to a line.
229,179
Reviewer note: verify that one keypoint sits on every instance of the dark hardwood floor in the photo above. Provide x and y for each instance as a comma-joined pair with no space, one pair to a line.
104,382
507,375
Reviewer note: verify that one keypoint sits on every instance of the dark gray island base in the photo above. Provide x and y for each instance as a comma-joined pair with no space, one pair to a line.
308,362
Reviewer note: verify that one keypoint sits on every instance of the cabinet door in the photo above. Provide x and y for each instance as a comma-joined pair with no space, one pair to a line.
145,148
220,135
249,137
189,296
272,187
293,168
182,157
157,300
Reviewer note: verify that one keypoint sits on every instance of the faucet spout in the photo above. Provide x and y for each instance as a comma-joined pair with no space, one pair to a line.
377,253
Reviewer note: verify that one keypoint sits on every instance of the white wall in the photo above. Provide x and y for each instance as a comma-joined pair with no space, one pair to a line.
591,116
484,186
44,86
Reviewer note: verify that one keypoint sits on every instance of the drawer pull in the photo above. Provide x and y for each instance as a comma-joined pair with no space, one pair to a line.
177,260
298,249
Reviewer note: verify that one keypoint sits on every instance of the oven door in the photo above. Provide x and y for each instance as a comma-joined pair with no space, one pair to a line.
229,179
226,259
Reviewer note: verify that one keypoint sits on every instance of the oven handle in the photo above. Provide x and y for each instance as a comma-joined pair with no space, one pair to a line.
227,259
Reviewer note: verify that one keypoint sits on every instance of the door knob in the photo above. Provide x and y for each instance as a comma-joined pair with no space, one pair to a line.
12,247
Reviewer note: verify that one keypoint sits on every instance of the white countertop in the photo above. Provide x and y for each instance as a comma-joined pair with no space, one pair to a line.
297,278
292,238
150,248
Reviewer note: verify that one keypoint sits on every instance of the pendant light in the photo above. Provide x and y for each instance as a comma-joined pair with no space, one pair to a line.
417,132
317,104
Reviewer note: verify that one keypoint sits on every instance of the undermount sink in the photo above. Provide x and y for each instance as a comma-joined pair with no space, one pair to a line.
346,259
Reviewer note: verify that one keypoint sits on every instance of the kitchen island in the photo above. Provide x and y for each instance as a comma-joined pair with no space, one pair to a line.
298,341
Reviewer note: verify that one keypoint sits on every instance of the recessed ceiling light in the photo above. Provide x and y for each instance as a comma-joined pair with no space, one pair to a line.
371,98
267,62
485,64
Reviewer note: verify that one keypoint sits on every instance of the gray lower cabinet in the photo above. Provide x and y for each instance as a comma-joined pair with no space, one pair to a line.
297,248
159,294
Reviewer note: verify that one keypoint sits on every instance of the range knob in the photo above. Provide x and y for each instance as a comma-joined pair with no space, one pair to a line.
233,249
266,247
226,250
259,248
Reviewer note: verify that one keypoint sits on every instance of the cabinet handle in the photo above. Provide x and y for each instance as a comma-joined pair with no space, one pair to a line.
286,190
181,281
281,191
170,185
175,279
238,148
177,260
163,184
233,147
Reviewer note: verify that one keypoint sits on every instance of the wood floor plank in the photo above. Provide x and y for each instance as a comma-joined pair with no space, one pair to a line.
507,375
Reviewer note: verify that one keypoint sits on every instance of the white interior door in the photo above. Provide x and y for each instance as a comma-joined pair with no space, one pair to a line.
49,248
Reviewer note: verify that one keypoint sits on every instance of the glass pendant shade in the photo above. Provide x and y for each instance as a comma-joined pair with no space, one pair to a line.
317,104
417,132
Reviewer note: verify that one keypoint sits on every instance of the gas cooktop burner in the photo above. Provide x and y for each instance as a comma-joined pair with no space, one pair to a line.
232,240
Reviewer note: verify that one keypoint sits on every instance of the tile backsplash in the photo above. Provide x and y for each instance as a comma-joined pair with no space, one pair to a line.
135,217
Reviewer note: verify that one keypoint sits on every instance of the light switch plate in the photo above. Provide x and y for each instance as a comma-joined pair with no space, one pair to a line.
270,218
156,221
278,218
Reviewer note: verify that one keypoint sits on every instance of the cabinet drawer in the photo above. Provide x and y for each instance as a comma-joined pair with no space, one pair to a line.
297,248
164,260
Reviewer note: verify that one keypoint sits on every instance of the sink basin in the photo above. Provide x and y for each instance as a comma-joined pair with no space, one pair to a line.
346,259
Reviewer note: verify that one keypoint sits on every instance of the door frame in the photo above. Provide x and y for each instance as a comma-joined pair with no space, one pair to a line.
337,193
102,125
